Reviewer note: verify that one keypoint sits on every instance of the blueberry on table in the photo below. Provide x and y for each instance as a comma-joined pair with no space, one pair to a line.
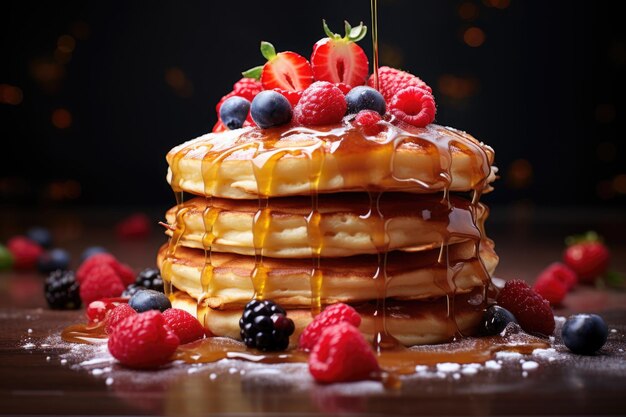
90,251
62,291
41,235
234,111
584,333
53,260
145,300
270,108
365,98
495,320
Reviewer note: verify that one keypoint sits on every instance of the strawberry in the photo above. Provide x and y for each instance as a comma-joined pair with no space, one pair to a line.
587,256
285,70
338,59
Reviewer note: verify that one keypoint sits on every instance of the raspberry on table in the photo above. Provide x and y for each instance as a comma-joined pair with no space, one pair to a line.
331,315
97,310
550,284
102,282
264,325
562,273
341,355
391,80
413,105
25,252
143,341
62,290
124,272
532,311
117,315
136,226
187,327
322,103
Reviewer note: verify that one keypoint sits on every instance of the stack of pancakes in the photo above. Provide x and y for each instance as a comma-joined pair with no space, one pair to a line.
388,222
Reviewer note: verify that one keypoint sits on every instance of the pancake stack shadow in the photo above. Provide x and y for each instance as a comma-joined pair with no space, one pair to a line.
389,223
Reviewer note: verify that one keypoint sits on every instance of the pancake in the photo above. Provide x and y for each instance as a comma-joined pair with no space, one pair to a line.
410,276
346,226
285,161
410,323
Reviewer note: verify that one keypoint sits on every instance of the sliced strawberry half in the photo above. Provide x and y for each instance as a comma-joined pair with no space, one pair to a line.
338,59
285,70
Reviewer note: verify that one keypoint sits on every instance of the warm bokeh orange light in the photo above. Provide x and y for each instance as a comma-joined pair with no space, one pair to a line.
10,94
520,174
474,36
61,118
468,11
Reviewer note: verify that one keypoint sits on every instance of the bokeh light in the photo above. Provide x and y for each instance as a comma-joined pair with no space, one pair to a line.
61,118
519,174
457,87
468,11
606,151
10,94
619,184
605,113
498,4
178,81
474,36
66,43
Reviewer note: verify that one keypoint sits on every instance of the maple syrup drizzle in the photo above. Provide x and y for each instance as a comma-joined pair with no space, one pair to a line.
374,11
314,232
174,242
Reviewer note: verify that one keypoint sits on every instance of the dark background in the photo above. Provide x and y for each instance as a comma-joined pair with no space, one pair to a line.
94,94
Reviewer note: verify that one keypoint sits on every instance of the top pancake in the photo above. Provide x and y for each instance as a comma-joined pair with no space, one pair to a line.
286,161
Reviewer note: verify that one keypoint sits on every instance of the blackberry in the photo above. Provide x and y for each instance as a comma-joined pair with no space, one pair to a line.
264,325
132,290
150,279
61,290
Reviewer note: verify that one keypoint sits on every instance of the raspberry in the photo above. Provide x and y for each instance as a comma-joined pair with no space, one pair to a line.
102,282
414,106
562,273
367,118
334,314
532,312
292,96
117,315
342,354
245,87
391,80
98,310
219,127
143,341
550,288
125,272
25,252
187,327
136,226
322,103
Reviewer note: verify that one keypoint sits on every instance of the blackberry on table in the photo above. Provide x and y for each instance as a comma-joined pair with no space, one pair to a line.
150,278
264,325
61,290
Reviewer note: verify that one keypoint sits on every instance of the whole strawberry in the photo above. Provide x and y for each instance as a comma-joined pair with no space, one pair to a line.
587,256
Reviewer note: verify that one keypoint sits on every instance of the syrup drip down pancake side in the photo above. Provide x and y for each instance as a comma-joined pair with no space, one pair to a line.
345,226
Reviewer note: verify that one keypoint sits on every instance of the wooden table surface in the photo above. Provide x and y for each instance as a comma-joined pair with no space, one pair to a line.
39,375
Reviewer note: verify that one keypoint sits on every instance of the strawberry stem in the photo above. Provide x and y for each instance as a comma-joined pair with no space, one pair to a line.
590,236
352,34
254,73
268,50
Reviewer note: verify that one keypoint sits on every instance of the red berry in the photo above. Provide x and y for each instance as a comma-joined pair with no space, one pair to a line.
334,314
367,118
97,310
285,70
292,96
25,252
143,341
588,260
136,226
391,80
322,103
117,315
339,59
533,312
550,288
219,127
102,282
187,327
342,354
125,272
414,106
562,273
345,88
247,88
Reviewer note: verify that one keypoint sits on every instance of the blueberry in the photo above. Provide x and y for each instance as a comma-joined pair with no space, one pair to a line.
495,320
234,112
270,108
6,259
53,260
132,289
41,235
365,98
584,333
90,251
145,300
